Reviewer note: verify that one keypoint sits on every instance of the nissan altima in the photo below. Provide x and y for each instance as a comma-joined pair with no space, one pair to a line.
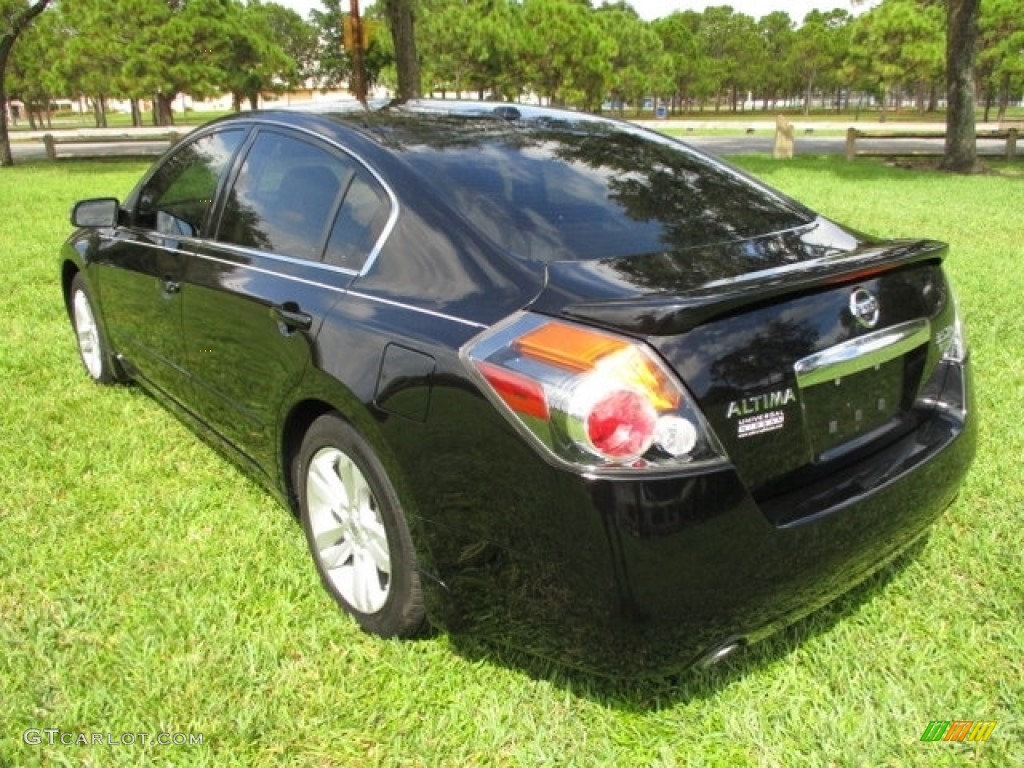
539,377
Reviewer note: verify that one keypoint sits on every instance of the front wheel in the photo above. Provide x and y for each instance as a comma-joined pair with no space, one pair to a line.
92,345
356,530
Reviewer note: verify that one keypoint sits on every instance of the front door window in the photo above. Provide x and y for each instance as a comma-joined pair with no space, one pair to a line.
177,199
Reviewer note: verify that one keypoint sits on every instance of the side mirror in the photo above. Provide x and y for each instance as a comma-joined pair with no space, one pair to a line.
101,212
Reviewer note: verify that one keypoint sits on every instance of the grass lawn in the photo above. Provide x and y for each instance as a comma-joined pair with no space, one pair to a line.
146,586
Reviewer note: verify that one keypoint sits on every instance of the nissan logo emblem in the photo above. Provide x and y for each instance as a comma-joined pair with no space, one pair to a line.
864,308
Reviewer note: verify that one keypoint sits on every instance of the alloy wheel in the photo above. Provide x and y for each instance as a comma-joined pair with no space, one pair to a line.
88,335
349,537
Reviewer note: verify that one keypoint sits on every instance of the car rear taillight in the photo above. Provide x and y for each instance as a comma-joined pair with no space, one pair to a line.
946,388
953,340
590,398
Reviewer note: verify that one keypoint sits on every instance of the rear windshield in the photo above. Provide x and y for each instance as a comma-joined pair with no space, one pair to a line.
553,195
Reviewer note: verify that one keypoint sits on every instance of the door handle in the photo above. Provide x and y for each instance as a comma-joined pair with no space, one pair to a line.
291,317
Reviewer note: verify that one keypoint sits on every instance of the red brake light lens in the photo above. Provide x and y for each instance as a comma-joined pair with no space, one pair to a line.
521,394
621,425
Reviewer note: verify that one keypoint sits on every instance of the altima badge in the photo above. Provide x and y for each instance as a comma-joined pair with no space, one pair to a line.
864,308
761,413
767,401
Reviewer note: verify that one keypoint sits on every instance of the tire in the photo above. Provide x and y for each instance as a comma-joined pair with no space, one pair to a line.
356,530
93,349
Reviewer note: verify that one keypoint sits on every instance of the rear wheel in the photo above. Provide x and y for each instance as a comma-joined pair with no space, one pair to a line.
92,346
356,530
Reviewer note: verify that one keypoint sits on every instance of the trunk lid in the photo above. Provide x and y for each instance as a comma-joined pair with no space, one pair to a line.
805,349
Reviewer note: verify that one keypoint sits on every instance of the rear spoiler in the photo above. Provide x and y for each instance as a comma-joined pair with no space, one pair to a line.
665,314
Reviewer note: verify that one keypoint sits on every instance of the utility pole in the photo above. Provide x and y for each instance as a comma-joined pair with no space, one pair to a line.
354,40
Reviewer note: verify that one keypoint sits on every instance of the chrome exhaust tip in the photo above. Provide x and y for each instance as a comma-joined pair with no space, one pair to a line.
720,652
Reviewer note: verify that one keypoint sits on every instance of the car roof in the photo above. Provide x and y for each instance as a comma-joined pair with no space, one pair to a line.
427,110
439,123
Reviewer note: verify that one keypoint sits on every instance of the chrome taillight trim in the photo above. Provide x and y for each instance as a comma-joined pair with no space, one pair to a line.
480,349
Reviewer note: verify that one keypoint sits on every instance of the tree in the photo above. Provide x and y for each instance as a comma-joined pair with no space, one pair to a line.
565,51
453,43
31,75
685,61
331,63
402,21
1001,52
501,69
178,47
898,44
333,66
777,35
295,36
637,63
91,59
733,46
961,155
470,45
266,45
818,50
15,17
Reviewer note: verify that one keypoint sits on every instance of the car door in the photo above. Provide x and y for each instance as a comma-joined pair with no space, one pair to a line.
140,272
258,293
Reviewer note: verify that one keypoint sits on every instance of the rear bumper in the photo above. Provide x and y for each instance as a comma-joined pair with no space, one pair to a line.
736,575
641,577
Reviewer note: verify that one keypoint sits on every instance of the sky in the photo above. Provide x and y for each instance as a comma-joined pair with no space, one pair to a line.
653,9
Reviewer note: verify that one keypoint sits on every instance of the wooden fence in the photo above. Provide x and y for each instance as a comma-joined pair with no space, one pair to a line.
160,141
855,136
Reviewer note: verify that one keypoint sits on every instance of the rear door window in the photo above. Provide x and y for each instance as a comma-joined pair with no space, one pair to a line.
364,214
285,196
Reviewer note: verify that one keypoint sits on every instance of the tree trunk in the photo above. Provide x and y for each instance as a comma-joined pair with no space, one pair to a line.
1004,98
808,94
99,111
402,21
162,112
961,155
6,46
6,159
136,114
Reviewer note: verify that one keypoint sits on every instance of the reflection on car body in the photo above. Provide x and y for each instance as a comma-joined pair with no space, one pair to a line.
533,375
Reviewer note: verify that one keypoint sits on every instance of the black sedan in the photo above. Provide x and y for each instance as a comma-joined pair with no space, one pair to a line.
536,376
